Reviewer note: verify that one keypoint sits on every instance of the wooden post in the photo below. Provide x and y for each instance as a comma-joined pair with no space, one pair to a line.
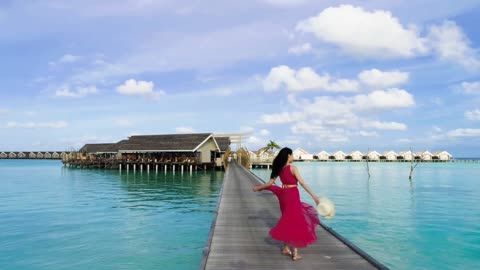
165,167
182,168
173,167
191,168
120,167
134,167
156,168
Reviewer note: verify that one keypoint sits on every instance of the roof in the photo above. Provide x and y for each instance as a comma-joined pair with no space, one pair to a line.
99,148
169,142
301,150
223,143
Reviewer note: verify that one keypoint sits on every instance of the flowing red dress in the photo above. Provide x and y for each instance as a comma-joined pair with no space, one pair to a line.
299,220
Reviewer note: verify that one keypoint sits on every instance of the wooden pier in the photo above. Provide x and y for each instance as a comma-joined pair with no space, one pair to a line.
139,165
239,236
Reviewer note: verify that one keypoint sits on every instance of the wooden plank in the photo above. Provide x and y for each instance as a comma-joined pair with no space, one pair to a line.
239,237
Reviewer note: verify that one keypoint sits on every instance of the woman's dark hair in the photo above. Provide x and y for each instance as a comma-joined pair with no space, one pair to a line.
280,161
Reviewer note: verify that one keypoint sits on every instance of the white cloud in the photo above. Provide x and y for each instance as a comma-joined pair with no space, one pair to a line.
368,133
384,125
451,44
31,125
384,100
359,32
382,79
3,111
79,92
305,79
184,130
301,49
473,115
139,88
464,132
319,132
68,58
404,141
437,129
280,118
471,88
264,132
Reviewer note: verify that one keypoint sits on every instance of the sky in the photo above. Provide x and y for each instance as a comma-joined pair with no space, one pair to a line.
321,75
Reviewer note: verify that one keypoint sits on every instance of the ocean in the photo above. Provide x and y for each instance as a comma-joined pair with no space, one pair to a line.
52,217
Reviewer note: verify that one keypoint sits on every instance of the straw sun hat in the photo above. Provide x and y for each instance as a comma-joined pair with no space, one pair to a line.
326,208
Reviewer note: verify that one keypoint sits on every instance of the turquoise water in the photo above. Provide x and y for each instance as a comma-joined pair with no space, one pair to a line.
430,223
53,217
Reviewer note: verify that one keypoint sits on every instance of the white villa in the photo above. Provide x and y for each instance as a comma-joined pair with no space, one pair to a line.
390,155
356,155
425,155
373,155
406,155
301,154
442,155
339,155
323,155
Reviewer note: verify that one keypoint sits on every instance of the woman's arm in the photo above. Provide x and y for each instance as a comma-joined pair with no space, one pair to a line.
304,185
264,186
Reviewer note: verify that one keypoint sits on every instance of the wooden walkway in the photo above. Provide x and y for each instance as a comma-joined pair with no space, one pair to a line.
239,236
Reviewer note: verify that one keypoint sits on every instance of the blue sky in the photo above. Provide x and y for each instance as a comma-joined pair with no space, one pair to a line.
322,75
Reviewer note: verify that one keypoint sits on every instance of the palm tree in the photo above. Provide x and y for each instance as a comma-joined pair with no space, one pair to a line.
270,146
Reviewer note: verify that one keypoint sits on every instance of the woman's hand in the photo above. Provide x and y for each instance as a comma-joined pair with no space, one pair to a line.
256,188
317,200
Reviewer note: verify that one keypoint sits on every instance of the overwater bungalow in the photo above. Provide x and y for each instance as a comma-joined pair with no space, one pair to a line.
405,155
12,155
339,155
323,155
442,155
39,155
32,155
355,156
389,155
55,155
373,155
47,155
425,155
3,155
302,154
21,155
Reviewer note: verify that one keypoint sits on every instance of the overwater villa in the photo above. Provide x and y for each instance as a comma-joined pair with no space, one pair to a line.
302,154
198,149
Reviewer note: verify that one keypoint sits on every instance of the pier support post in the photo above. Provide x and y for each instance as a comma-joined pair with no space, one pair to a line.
128,167
148,167
165,167
156,168
120,167
191,168
134,167
182,168
141,167
173,167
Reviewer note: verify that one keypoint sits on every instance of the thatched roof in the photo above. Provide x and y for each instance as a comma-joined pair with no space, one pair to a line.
99,148
223,143
164,143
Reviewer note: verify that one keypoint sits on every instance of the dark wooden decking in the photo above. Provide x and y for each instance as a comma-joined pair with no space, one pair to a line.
239,236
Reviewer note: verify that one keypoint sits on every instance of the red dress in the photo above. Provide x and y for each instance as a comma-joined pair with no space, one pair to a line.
299,220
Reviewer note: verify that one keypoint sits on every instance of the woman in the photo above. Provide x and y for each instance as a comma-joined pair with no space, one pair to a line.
297,225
